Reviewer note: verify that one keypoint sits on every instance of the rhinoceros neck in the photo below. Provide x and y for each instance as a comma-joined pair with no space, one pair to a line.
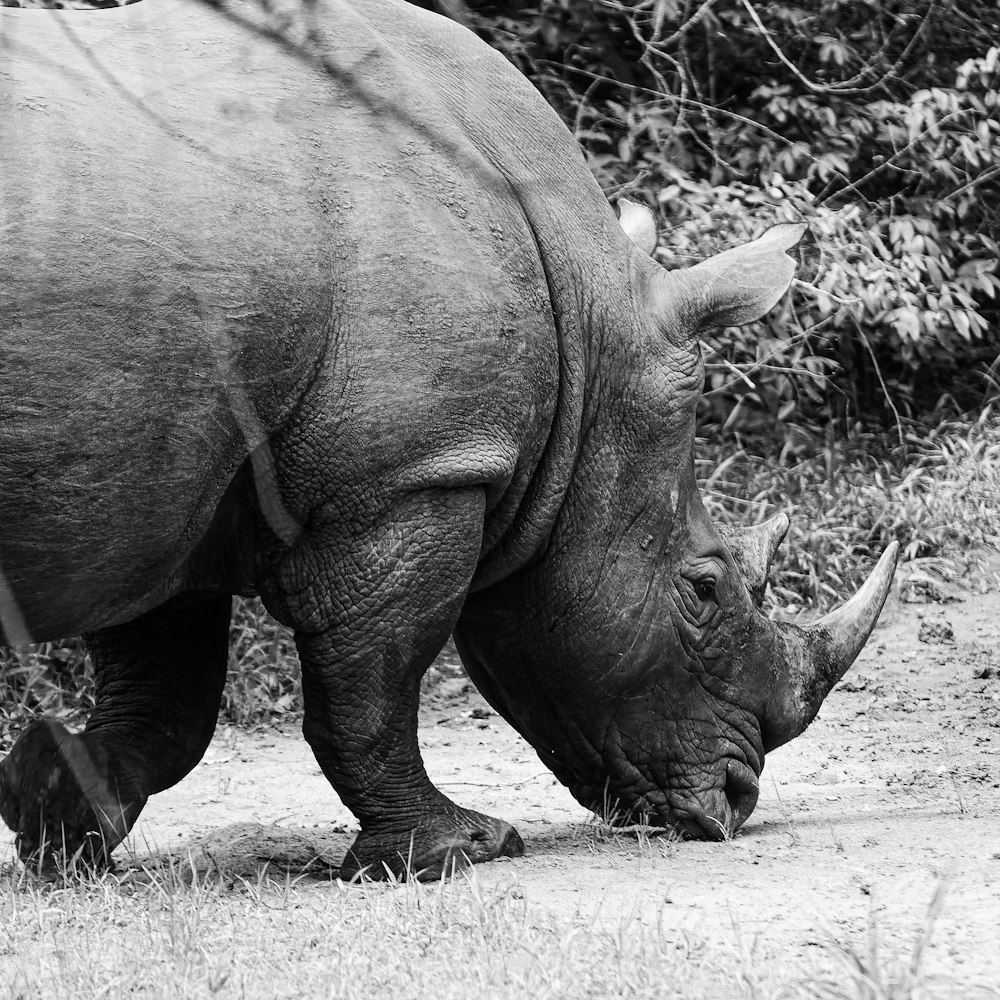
533,242
587,270
523,525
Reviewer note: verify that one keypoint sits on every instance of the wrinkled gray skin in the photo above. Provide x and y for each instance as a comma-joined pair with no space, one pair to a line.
347,323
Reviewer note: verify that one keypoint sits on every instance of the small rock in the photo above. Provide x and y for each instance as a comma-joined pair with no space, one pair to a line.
854,684
985,673
935,632
917,587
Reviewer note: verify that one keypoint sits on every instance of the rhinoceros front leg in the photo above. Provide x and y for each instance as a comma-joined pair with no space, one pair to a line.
159,681
371,609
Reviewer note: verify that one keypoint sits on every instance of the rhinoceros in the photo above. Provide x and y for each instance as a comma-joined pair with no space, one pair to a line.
329,309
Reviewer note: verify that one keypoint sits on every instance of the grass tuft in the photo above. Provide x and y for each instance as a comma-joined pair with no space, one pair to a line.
170,928
870,972
938,494
263,682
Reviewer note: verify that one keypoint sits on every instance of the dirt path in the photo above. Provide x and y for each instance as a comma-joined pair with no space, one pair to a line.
892,793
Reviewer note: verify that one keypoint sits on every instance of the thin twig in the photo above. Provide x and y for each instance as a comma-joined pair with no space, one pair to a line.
689,101
987,176
846,87
881,380
889,164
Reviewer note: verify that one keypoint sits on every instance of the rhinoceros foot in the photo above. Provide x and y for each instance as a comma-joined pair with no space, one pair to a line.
430,848
57,793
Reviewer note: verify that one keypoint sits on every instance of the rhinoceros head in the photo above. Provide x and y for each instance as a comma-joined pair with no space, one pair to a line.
633,654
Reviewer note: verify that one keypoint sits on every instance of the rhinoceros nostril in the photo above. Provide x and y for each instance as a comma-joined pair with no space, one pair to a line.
742,789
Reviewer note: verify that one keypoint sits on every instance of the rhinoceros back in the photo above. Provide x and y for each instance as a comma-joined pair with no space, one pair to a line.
201,228
144,283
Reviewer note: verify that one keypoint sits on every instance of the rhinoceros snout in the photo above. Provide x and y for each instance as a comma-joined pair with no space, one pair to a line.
721,812
742,790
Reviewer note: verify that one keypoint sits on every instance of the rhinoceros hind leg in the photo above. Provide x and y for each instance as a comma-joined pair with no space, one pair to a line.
431,846
56,795
71,798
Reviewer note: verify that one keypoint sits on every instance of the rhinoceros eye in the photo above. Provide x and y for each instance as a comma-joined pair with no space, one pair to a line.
705,589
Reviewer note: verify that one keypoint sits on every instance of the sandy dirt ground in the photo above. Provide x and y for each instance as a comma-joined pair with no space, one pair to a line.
892,796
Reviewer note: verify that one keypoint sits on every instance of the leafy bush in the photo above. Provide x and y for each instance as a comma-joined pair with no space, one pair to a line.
263,680
52,679
878,124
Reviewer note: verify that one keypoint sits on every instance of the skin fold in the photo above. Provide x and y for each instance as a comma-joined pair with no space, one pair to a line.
330,309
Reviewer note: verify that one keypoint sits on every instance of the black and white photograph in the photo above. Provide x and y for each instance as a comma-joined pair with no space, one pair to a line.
500,499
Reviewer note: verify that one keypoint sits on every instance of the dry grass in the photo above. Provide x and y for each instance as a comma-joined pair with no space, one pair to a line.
173,931
873,972
177,933
938,494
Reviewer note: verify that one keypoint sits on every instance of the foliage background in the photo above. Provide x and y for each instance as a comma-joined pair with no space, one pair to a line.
878,123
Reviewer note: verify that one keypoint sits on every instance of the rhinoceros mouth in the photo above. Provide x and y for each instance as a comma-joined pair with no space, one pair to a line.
714,813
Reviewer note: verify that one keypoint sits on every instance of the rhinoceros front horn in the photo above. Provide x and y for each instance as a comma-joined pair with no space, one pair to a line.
817,655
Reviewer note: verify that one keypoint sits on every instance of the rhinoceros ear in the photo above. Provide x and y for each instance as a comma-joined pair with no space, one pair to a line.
739,285
638,223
